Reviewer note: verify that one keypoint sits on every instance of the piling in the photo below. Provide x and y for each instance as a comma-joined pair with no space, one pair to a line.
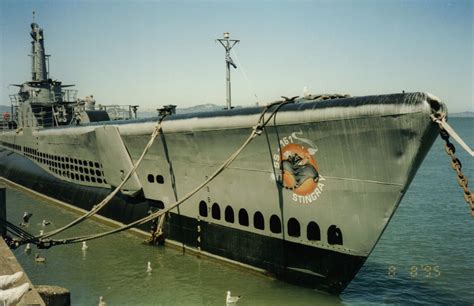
3,208
43,295
9,265
54,295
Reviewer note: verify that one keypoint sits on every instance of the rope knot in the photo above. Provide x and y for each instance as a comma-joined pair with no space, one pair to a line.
258,129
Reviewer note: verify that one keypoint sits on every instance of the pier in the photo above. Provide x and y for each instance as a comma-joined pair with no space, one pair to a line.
37,295
9,265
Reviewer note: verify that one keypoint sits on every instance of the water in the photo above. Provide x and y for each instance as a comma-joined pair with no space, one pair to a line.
425,255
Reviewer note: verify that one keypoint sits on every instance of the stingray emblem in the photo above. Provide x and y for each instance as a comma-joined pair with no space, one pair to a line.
299,168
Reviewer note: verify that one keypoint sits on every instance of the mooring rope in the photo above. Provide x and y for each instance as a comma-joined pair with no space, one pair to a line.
256,130
247,80
109,197
443,124
17,231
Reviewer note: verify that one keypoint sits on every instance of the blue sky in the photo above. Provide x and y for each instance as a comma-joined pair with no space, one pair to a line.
153,53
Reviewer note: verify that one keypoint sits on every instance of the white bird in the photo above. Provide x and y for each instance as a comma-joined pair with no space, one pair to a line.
101,301
13,296
148,268
84,246
26,217
232,299
28,248
41,232
44,223
8,280
306,93
40,259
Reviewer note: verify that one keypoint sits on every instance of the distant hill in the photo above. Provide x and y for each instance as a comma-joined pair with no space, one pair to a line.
200,108
4,108
463,114
147,112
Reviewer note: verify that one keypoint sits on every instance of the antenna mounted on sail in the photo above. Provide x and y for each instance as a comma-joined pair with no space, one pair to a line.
228,44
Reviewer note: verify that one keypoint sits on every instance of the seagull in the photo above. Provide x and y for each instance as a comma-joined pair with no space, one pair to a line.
27,216
232,299
306,93
148,268
28,248
44,223
84,246
13,296
40,259
8,280
101,301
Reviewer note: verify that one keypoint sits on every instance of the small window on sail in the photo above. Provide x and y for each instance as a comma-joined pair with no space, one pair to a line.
203,209
229,214
334,235
151,178
313,231
243,217
258,221
216,211
294,228
275,224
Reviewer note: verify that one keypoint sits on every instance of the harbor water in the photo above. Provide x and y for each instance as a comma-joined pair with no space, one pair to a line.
425,255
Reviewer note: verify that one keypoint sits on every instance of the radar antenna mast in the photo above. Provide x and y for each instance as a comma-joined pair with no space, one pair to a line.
228,44
39,59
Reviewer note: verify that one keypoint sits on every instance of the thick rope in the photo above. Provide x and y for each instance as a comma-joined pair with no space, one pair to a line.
444,124
17,231
109,197
256,130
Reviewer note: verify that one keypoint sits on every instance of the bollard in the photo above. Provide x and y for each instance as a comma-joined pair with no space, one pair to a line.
3,208
54,295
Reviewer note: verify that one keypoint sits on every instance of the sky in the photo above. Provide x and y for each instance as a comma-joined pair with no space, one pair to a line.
154,53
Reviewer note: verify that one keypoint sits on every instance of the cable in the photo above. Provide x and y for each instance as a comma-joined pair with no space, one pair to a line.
256,130
109,197
247,80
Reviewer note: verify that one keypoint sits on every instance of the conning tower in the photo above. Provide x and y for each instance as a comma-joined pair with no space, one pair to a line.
42,101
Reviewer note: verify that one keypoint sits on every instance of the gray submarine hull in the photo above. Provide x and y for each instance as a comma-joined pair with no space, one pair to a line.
350,163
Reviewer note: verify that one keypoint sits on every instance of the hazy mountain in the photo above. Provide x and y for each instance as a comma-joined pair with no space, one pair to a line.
147,112
462,114
5,108
150,112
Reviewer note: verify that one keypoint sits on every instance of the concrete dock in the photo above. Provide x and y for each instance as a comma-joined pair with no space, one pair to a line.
9,265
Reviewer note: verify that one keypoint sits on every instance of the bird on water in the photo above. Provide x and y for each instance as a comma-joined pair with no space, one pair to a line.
148,268
28,248
101,301
84,246
232,299
26,218
39,258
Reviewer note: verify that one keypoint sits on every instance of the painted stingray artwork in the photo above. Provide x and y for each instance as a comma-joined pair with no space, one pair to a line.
299,168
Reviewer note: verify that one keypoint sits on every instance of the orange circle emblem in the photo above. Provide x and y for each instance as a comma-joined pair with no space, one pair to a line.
300,171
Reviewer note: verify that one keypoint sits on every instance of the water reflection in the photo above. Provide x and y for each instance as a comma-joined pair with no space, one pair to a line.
115,268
